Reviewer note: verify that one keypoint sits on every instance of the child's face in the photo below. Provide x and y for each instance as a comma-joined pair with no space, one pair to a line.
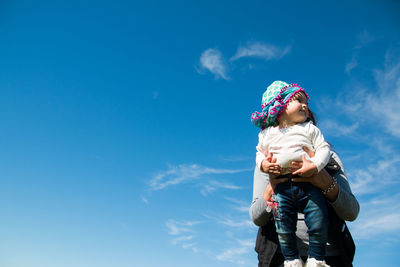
297,109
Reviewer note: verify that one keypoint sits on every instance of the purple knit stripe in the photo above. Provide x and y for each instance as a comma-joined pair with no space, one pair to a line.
290,97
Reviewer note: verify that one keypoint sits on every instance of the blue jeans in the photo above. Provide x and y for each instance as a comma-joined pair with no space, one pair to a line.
301,197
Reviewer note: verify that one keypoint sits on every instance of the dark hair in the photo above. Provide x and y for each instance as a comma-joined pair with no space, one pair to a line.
311,117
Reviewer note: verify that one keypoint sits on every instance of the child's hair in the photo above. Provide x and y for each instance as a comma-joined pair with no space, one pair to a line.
311,117
300,96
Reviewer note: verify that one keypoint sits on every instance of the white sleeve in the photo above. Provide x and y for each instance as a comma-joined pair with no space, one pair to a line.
321,147
259,158
260,155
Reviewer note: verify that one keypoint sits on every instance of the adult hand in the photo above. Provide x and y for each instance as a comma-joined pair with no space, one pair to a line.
270,166
307,169
301,167
313,179
321,180
298,164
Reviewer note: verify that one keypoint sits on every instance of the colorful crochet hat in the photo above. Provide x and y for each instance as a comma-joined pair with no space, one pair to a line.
274,102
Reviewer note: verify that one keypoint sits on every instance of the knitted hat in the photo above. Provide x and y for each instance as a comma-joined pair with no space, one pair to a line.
274,102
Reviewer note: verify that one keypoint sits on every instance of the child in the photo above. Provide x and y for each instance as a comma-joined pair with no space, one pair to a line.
286,129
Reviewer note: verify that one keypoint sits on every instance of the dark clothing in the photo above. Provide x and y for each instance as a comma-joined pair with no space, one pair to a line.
269,254
267,244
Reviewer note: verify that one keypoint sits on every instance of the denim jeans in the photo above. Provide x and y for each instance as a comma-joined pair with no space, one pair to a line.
301,197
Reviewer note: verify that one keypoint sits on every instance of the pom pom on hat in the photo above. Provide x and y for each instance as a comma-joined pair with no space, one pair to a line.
274,101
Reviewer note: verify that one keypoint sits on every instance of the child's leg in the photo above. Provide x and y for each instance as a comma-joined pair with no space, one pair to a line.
285,221
316,219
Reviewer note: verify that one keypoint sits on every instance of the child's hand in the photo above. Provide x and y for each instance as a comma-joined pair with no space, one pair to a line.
270,166
307,169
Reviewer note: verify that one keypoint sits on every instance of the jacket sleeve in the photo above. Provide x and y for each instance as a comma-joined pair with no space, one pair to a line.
346,205
258,212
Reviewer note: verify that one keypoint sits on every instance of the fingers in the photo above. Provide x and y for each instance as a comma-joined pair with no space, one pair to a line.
298,172
274,168
274,180
301,179
274,165
308,151
269,156
297,164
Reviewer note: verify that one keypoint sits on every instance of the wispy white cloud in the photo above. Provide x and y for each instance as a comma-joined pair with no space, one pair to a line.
334,128
261,50
352,64
191,246
236,251
364,38
239,205
183,173
367,114
214,185
181,239
373,178
144,199
237,222
213,61
379,217
376,104
376,176
234,223
234,254
180,230
384,103
176,227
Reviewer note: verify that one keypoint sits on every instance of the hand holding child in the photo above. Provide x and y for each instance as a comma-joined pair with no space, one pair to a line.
305,168
270,166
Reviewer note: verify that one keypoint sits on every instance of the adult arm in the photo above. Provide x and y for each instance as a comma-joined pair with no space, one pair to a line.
340,197
258,212
345,204
260,155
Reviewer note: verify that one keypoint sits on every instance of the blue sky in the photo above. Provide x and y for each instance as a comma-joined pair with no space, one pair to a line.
125,132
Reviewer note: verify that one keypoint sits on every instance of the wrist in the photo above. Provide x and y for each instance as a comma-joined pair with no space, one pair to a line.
262,166
330,187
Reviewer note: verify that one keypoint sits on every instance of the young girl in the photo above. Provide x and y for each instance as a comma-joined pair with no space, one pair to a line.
286,129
